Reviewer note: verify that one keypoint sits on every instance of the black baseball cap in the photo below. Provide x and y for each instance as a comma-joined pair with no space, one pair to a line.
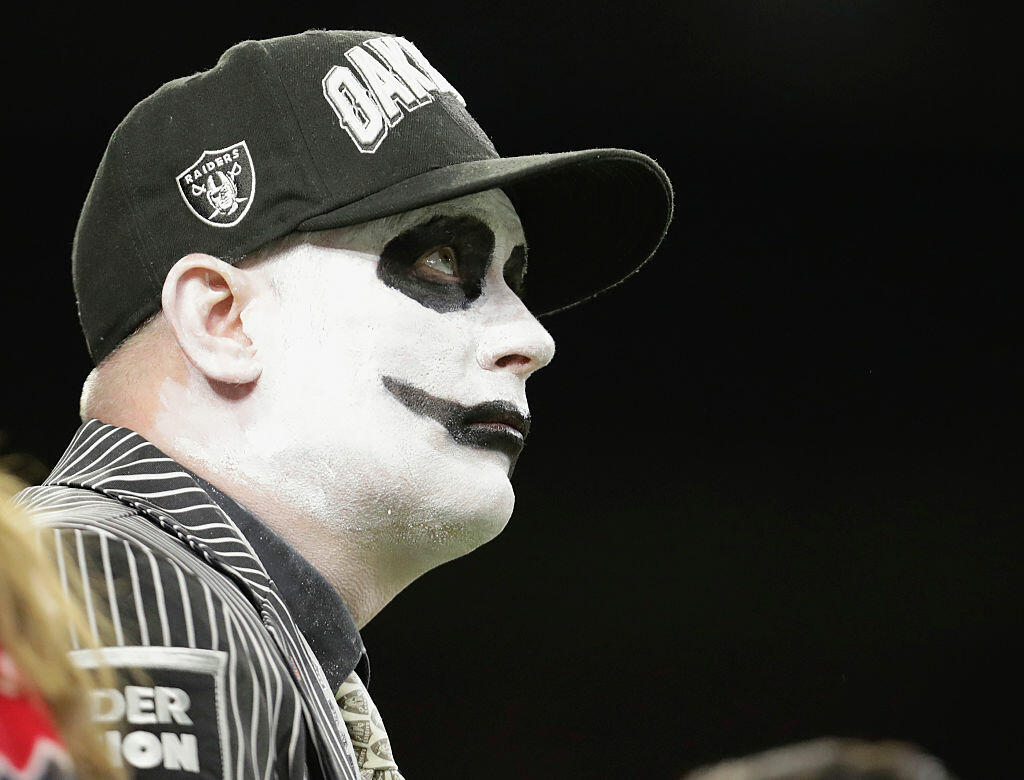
327,129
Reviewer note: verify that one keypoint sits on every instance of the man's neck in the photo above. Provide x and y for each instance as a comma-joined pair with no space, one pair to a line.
367,575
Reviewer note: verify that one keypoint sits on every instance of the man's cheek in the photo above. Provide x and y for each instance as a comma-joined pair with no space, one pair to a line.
443,369
422,337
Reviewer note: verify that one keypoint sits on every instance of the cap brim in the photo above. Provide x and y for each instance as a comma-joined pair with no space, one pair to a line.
592,218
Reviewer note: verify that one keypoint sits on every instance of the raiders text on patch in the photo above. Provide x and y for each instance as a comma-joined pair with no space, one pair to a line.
219,186
170,721
157,705
387,76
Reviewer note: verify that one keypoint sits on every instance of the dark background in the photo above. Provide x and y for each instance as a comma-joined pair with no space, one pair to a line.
772,488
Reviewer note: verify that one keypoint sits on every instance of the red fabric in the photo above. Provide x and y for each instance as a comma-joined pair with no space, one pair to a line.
26,725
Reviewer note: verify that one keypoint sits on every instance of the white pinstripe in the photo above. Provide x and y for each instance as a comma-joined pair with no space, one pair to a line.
115,611
142,444
86,587
186,607
214,639
161,602
138,477
294,742
62,570
254,718
140,612
161,493
204,526
67,468
233,689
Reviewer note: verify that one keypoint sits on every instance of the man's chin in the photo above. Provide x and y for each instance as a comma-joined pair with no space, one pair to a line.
472,534
456,523
491,463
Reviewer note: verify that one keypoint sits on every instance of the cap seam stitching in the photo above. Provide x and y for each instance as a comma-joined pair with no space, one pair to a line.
136,232
325,192
133,222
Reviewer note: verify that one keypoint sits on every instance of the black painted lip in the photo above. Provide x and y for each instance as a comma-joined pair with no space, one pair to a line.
498,412
483,425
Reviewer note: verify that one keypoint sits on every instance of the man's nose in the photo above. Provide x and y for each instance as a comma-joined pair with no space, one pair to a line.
518,344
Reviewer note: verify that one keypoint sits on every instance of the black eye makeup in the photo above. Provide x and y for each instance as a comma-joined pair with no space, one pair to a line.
440,263
515,270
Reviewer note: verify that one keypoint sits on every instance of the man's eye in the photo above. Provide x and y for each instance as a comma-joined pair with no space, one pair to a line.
439,262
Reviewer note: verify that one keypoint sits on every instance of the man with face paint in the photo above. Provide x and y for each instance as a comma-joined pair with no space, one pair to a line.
310,286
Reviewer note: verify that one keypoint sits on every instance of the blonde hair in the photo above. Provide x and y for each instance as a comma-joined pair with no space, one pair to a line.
34,617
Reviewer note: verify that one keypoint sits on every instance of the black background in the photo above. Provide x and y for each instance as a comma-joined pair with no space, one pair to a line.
771,491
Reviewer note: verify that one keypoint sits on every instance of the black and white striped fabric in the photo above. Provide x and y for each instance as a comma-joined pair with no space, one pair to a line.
234,689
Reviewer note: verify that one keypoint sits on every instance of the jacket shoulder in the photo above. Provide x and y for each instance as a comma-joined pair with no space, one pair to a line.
49,504
212,676
151,586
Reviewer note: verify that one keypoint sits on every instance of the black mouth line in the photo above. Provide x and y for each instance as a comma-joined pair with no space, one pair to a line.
496,425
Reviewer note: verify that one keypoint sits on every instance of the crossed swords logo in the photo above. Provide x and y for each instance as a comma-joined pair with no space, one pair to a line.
221,192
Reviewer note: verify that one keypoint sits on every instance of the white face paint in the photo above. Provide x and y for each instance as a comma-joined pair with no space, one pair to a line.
323,427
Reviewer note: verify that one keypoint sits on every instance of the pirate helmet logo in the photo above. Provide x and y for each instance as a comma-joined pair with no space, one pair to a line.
219,186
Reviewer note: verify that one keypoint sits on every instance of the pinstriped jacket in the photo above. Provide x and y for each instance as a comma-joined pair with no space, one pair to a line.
236,690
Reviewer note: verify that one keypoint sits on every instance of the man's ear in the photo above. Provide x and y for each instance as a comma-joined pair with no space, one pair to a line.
203,301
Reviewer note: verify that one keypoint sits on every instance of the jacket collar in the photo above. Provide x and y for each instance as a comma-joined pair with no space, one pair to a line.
313,602
121,464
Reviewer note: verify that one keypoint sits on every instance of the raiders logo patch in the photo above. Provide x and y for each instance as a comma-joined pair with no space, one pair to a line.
168,717
220,185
